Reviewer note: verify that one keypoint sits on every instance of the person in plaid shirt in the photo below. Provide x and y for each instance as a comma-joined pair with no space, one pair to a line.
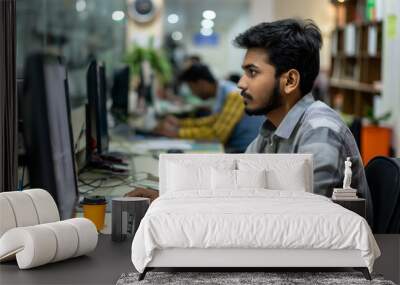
228,122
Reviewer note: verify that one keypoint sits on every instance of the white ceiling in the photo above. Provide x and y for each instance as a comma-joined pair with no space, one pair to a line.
190,13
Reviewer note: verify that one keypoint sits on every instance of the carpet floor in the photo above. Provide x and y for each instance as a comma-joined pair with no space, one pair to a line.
225,278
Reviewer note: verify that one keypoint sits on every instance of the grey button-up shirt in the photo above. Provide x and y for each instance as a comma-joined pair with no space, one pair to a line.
313,127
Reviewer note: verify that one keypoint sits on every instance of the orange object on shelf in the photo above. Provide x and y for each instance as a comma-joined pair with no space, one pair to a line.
375,141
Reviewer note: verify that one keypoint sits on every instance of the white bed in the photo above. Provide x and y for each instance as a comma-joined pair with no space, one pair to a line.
201,219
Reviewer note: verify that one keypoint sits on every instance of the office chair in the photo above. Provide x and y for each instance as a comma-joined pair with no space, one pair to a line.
383,176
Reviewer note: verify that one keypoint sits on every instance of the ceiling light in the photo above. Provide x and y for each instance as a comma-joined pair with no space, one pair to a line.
176,36
173,18
209,14
206,32
208,24
80,5
118,15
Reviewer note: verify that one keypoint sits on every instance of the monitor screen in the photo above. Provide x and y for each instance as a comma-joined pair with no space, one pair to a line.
97,127
48,132
103,126
120,94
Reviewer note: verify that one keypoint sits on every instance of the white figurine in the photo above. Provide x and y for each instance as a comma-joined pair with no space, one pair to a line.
347,174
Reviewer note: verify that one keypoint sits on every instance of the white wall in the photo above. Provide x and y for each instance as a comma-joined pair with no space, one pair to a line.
321,11
390,70
224,58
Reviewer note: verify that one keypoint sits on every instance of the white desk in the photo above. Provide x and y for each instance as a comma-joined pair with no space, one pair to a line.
143,170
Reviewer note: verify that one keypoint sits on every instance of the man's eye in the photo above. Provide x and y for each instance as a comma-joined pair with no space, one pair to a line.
251,73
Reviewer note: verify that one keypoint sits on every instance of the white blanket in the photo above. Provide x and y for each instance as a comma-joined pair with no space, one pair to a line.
250,219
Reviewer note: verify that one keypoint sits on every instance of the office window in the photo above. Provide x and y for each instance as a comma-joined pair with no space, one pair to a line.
79,30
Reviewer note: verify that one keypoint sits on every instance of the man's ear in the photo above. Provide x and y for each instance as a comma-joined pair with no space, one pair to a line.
291,81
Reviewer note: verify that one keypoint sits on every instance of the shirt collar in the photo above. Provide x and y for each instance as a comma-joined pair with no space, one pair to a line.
291,119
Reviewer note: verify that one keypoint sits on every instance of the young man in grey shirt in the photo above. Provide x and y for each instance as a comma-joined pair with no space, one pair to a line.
280,67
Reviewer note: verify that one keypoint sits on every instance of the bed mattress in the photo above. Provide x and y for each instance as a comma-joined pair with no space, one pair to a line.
250,219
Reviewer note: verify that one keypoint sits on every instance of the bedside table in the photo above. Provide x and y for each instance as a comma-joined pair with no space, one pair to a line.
358,205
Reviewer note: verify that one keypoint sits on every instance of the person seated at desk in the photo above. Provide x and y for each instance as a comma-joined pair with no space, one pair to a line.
280,67
228,122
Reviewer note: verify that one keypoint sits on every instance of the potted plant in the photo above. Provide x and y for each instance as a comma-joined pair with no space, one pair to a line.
156,58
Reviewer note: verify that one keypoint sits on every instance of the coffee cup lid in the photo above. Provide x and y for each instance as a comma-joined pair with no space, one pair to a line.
94,200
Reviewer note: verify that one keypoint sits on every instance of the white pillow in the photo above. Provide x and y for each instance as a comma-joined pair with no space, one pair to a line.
251,178
183,176
281,175
223,179
278,180
237,179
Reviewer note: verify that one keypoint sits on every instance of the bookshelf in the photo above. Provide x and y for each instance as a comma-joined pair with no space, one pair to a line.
356,55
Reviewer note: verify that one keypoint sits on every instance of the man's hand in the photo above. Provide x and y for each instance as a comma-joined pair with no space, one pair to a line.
143,192
164,128
172,120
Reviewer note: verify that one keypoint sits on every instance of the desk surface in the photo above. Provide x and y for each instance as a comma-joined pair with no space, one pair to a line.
143,165
102,266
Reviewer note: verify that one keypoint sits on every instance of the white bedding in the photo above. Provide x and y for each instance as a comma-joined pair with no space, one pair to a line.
252,218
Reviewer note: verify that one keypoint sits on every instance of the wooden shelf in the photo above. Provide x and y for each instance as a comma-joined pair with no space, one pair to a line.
359,55
354,85
356,59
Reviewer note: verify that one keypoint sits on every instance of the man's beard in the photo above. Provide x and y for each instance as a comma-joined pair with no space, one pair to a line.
273,103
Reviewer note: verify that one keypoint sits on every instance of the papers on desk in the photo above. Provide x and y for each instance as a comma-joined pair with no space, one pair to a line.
162,144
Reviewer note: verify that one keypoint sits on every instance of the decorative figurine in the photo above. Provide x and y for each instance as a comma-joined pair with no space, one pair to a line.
347,174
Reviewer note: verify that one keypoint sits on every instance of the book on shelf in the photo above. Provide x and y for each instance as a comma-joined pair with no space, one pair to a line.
350,40
372,41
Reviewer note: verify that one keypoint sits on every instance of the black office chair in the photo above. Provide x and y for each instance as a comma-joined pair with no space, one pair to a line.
383,176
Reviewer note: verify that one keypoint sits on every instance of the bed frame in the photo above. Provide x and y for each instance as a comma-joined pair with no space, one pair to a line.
244,259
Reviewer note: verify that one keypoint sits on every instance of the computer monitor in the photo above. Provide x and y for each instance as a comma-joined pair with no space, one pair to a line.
47,131
120,94
96,111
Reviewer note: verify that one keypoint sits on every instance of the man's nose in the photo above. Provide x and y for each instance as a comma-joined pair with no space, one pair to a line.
242,83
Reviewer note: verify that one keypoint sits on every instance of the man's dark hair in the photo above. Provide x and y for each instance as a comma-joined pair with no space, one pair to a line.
289,44
197,72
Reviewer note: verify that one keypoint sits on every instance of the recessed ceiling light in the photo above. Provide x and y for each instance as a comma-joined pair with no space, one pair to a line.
208,24
173,18
118,15
206,31
176,36
80,5
209,14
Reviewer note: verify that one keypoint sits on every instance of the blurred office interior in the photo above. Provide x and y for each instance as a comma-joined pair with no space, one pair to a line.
140,47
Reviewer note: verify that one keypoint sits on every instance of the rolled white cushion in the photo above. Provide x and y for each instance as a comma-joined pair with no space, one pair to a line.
67,239
87,235
40,244
7,218
33,246
45,206
23,208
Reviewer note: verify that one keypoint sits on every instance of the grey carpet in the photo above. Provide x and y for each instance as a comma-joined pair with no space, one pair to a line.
225,278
